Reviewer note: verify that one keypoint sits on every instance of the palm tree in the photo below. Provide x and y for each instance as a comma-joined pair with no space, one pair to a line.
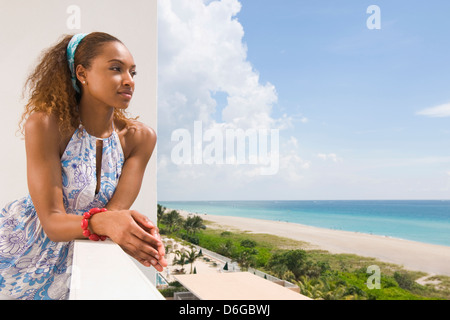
334,291
182,260
173,220
225,249
245,259
310,287
160,212
191,256
322,289
193,224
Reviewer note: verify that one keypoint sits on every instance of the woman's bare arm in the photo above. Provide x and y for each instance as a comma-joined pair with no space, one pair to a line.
125,227
141,141
42,141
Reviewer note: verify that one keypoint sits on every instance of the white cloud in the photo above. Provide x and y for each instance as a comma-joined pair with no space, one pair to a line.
201,53
440,111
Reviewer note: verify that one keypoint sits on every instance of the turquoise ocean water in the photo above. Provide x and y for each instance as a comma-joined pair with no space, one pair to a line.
418,220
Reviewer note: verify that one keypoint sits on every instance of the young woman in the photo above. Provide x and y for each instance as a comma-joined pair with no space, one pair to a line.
83,155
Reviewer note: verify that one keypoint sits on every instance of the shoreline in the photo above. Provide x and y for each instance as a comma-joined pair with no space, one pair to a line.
412,255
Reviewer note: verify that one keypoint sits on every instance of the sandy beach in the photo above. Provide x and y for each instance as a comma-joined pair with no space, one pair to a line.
429,258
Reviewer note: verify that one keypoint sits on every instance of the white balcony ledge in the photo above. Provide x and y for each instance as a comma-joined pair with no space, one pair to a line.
102,271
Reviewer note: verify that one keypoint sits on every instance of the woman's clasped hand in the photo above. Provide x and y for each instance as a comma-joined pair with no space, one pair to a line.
134,233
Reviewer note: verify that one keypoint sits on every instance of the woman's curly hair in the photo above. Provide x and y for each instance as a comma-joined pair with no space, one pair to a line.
50,87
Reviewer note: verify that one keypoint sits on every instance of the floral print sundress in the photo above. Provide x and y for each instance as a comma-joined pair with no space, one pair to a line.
32,266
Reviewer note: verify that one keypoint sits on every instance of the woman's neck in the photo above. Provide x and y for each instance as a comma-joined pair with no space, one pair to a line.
97,119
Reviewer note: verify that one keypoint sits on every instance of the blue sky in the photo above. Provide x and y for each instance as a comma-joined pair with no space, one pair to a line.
358,108
366,85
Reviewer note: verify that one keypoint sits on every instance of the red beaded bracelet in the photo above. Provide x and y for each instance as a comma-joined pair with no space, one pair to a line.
85,223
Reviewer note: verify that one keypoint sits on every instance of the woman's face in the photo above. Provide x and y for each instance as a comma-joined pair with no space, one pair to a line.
110,79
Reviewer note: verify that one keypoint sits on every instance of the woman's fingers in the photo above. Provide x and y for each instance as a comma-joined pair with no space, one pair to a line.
144,221
140,238
142,253
148,227
163,262
149,242
143,261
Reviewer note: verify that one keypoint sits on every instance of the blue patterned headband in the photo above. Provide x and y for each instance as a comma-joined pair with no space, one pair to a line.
71,47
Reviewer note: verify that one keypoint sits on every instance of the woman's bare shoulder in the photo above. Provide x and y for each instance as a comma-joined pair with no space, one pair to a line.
41,123
42,135
137,135
43,129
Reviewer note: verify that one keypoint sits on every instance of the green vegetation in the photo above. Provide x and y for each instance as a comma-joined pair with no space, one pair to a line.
319,274
174,286
186,257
